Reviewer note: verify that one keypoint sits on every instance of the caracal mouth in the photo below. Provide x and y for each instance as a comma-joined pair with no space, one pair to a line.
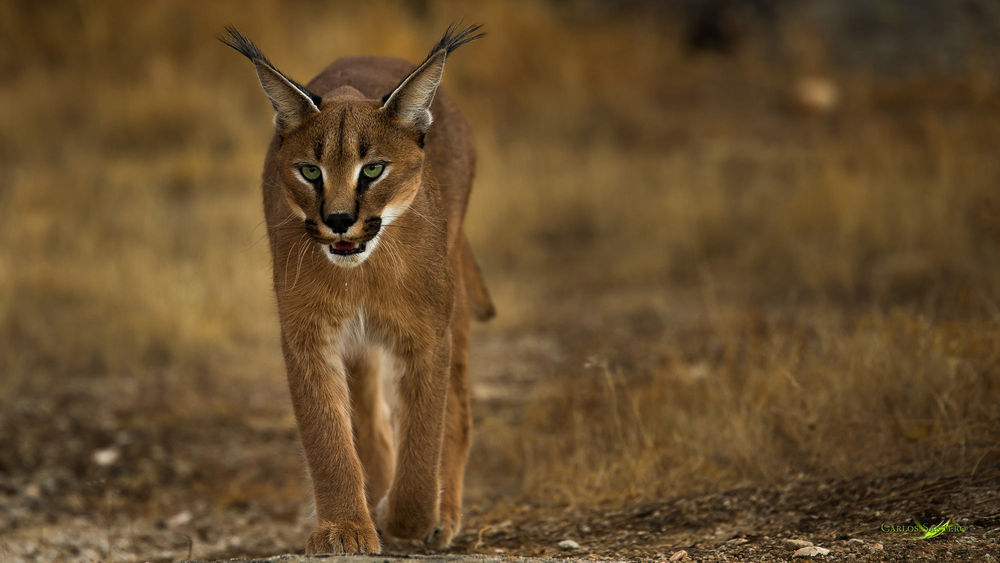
348,254
345,248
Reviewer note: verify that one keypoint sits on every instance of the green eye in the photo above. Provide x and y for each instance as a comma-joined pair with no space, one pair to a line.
310,172
372,171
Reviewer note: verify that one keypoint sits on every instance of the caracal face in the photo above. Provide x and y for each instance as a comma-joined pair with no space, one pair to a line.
348,172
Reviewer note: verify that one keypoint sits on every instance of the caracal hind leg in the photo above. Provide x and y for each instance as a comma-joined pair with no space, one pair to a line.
457,432
322,409
372,427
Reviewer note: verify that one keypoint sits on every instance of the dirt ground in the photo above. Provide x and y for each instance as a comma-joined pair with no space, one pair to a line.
135,483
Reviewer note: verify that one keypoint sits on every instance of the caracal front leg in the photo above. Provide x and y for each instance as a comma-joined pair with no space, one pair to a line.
372,427
410,509
322,406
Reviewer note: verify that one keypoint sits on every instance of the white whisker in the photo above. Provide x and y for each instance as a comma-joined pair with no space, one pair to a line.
288,256
429,222
298,268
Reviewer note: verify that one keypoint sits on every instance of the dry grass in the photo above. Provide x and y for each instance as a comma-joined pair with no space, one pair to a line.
737,290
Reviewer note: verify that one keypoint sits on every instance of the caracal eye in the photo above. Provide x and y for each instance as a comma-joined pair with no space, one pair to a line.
372,171
310,172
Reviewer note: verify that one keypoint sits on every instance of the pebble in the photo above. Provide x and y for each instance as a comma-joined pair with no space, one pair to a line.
853,541
179,519
810,551
106,456
799,543
568,545
737,541
680,556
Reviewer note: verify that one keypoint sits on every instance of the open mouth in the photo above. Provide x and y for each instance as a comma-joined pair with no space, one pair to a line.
344,248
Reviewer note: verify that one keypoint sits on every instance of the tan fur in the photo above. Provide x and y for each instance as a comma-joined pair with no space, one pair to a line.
405,305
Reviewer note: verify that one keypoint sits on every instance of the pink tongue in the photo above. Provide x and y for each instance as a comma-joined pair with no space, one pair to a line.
344,245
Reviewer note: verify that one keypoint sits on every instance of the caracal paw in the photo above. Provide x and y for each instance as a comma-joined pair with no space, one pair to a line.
404,524
441,535
343,536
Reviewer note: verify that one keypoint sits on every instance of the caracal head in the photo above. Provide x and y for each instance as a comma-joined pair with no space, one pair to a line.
349,166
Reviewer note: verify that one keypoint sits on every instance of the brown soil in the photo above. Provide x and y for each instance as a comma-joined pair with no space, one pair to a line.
227,481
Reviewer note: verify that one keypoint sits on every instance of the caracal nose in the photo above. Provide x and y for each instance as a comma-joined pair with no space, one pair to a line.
339,222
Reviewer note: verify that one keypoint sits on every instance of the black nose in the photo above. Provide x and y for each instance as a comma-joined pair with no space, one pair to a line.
339,222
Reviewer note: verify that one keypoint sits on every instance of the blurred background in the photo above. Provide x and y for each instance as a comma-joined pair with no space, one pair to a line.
730,242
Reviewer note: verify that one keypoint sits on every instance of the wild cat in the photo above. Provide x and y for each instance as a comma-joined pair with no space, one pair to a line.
365,183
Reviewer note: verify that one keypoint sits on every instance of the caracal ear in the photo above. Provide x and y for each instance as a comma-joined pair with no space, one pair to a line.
292,102
409,104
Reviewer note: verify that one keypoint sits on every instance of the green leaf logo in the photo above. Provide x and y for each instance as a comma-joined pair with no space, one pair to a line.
933,531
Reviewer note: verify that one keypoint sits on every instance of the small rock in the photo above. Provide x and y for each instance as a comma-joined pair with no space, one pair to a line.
179,519
737,541
33,490
568,545
877,546
816,94
499,550
50,485
585,529
853,541
799,543
106,456
680,556
810,551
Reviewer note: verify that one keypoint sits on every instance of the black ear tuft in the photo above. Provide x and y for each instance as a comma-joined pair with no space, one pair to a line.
243,45
453,39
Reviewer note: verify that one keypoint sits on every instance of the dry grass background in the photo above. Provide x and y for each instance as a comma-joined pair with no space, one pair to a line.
699,283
